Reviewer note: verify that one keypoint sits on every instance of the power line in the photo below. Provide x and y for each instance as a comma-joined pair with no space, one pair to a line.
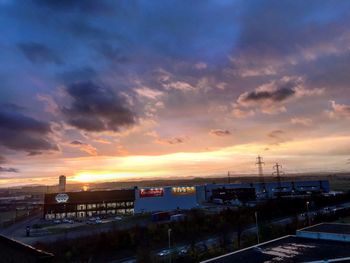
277,167
260,163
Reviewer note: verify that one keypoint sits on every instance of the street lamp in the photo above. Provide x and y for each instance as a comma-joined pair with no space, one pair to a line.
257,228
169,241
308,212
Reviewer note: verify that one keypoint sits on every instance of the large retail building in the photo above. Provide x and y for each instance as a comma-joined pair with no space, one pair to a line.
169,198
88,203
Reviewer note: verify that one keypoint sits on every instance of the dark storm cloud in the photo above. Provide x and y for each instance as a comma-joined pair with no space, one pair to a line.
8,170
96,108
21,132
275,95
39,53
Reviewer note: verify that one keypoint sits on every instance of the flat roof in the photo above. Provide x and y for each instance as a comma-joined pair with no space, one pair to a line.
288,249
331,228
9,243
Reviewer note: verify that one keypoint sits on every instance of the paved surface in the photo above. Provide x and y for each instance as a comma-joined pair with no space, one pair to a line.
18,230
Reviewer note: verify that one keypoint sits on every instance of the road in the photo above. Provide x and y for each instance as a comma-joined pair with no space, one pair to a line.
19,228
215,240
17,231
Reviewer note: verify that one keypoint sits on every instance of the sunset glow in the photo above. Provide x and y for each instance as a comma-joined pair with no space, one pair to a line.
146,90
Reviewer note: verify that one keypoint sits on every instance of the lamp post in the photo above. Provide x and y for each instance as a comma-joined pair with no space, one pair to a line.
257,227
307,212
169,242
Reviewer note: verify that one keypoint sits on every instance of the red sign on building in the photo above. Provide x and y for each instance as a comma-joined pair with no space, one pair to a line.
151,192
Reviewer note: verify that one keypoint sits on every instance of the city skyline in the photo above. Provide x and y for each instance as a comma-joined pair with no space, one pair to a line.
136,89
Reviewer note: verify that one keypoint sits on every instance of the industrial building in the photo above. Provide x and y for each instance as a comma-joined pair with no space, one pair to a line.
169,198
273,189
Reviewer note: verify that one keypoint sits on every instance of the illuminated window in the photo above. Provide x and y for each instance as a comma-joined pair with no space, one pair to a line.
71,214
121,204
129,211
60,215
81,214
111,205
91,206
121,211
49,216
81,207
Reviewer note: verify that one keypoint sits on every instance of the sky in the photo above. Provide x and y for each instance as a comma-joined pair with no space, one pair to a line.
130,90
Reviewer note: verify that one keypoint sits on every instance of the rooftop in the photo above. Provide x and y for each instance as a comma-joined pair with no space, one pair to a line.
19,247
288,249
330,228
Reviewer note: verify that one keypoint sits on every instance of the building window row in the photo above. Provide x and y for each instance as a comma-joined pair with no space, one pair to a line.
83,214
81,207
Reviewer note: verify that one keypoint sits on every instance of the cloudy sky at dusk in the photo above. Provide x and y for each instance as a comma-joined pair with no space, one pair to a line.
112,90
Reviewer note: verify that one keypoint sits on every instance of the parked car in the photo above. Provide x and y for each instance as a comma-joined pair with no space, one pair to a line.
163,253
183,251
67,221
177,217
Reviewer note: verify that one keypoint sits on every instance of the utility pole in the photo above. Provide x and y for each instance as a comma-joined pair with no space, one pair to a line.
228,177
260,163
308,213
257,227
277,167
169,241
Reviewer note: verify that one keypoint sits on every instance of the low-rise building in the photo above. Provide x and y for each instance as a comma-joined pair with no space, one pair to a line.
319,243
168,198
88,203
